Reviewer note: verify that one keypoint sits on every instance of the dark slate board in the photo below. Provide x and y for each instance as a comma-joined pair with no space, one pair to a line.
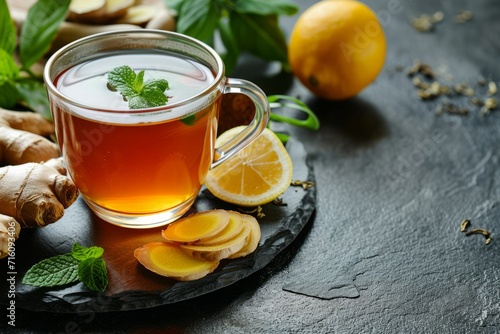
131,286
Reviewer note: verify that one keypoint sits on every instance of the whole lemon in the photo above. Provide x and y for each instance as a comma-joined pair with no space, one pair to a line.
337,48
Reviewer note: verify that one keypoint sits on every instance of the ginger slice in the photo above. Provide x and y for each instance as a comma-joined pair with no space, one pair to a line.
219,251
197,226
252,240
233,228
118,8
139,15
86,10
97,12
168,259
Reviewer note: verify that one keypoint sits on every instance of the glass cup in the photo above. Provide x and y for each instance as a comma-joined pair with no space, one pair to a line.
143,168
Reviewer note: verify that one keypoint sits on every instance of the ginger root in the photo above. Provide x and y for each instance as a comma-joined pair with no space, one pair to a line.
9,232
22,138
36,194
34,188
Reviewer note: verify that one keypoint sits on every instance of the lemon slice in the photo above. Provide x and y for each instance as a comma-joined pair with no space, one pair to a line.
255,175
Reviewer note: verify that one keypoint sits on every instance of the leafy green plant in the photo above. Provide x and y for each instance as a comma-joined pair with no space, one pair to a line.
17,82
242,25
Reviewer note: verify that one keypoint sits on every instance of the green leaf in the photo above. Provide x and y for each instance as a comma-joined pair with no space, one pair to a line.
173,4
230,57
8,68
189,119
8,35
82,253
266,7
57,270
93,274
33,95
9,72
198,19
40,28
9,94
138,94
259,35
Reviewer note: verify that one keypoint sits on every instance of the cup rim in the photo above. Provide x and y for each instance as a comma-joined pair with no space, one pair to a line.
56,55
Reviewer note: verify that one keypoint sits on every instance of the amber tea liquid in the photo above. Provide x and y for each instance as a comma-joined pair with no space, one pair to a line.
149,164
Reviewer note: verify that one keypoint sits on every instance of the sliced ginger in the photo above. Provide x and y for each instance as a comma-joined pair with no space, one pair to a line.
139,15
98,11
216,252
253,239
197,226
168,259
183,261
232,229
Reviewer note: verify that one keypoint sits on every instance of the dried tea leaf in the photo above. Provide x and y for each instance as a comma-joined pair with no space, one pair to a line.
463,17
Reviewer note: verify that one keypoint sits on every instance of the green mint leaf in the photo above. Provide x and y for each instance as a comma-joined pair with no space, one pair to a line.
198,19
266,7
123,79
8,35
92,272
57,270
189,119
82,253
33,95
138,94
259,35
39,29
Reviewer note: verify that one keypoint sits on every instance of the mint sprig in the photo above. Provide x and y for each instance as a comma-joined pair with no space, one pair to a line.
82,263
138,93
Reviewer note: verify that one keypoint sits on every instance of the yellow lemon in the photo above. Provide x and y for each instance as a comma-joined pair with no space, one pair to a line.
337,48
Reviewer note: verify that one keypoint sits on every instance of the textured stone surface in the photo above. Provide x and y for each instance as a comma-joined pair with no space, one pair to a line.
394,182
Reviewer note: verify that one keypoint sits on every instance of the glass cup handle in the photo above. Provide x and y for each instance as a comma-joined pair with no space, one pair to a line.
254,129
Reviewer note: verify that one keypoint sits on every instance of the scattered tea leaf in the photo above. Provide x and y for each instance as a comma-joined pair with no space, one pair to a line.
464,225
304,184
258,211
463,16
426,22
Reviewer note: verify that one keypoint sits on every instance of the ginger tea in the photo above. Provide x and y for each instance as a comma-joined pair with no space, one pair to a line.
148,162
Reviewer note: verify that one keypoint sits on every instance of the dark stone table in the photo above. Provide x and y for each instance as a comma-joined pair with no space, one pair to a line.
384,249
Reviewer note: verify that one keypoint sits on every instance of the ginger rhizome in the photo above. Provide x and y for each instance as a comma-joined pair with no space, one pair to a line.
34,188
23,138
36,194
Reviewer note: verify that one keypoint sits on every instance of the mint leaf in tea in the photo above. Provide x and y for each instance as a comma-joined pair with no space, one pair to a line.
138,94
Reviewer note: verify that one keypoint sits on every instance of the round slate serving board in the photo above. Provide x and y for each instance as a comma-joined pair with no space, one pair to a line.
131,286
